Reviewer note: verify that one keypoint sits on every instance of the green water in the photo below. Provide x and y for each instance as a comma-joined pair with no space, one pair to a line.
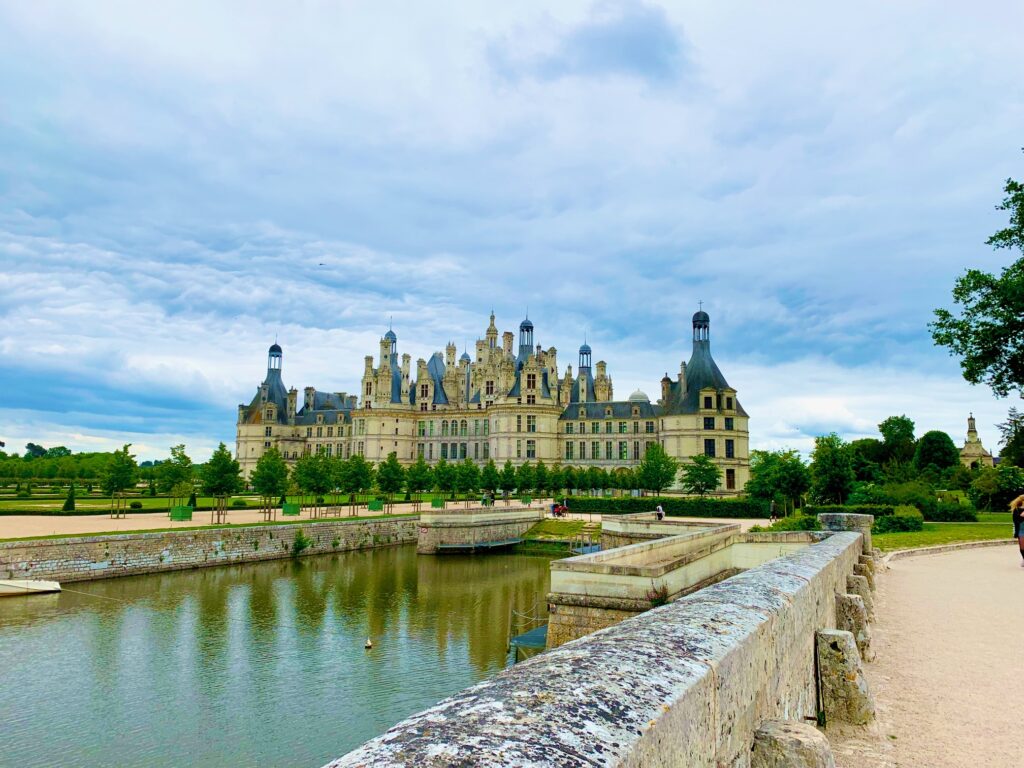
250,665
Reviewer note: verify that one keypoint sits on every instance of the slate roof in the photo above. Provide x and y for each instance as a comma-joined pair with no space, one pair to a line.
276,394
701,373
621,409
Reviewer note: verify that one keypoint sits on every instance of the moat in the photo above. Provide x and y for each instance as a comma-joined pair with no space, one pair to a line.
259,664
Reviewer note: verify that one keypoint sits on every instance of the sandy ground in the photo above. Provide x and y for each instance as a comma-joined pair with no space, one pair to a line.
16,526
947,682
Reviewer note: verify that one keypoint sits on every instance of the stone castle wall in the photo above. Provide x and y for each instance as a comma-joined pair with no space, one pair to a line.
99,557
684,684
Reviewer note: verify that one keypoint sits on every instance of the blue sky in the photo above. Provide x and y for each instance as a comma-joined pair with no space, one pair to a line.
180,184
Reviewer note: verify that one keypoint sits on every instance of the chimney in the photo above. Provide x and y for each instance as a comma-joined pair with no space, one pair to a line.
308,398
506,342
666,388
293,398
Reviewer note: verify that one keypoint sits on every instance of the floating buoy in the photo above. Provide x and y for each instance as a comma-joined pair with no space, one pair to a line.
369,644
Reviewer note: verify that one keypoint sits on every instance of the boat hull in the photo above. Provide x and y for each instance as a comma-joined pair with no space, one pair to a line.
22,587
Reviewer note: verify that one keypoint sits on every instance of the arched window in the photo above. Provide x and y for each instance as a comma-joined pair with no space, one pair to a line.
444,429
463,428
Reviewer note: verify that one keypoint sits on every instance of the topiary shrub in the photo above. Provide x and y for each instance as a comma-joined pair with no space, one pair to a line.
239,503
878,510
797,522
674,507
22,495
904,519
947,512
135,505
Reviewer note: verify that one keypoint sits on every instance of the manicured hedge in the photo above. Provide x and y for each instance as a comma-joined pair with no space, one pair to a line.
903,519
674,507
952,513
797,522
878,510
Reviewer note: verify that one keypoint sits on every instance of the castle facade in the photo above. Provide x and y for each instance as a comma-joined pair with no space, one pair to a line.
507,402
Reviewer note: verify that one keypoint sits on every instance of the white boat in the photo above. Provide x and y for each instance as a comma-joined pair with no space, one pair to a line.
19,587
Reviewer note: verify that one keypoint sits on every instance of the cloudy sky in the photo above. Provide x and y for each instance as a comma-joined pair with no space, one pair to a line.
181,183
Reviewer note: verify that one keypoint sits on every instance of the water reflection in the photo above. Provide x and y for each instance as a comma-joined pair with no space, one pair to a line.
256,664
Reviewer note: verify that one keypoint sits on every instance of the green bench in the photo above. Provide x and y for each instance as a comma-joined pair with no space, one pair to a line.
377,505
437,503
292,510
181,513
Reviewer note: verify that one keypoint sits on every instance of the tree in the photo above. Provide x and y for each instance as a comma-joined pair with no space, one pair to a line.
390,475
701,475
868,456
779,476
897,438
1011,434
556,480
508,477
270,475
177,469
69,502
541,479
831,469
490,480
221,475
33,451
988,336
444,477
936,448
467,477
658,470
120,473
57,452
418,477
524,478
358,475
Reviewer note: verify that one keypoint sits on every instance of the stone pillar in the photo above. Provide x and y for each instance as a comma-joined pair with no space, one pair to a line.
836,521
862,569
844,689
852,617
858,585
790,744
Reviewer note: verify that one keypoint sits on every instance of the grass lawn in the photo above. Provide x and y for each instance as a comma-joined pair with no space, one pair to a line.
222,525
935,534
555,529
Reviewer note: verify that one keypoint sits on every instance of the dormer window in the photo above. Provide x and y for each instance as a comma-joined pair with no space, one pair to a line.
531,381
708,401
636,411
608,412
583,412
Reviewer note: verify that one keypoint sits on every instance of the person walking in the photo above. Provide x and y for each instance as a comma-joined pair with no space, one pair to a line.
659,513
1017,510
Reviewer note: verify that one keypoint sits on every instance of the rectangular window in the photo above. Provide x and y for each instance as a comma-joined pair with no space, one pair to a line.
531,399
649,427
519,423
487,450
369,388
489,388
709,447
430,451
487,426
476,450
424,391
267,431
420,451
608,450
636,427
431,428
708,402
531,449
531,381
329,447
476,427
730,449
730,479
531,423
319,431
519,449
330,431
361,427
360,449
568,428
568,450
463,429
623,428
636,450
608,427
421,428
340,450
266,444
728,422
583,450
309,431
728,403
423,406
444,450
709,422
462,450
623,450
595,427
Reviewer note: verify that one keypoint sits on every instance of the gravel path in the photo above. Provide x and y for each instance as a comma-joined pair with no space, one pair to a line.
947,679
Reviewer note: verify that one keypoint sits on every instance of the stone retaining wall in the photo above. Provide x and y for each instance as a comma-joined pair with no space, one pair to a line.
470,527
99,557
684,684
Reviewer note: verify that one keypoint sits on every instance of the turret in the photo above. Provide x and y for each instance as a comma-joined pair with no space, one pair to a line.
449,355
293,399
525,339
309,397
492,333
666,388
506,342
274,358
